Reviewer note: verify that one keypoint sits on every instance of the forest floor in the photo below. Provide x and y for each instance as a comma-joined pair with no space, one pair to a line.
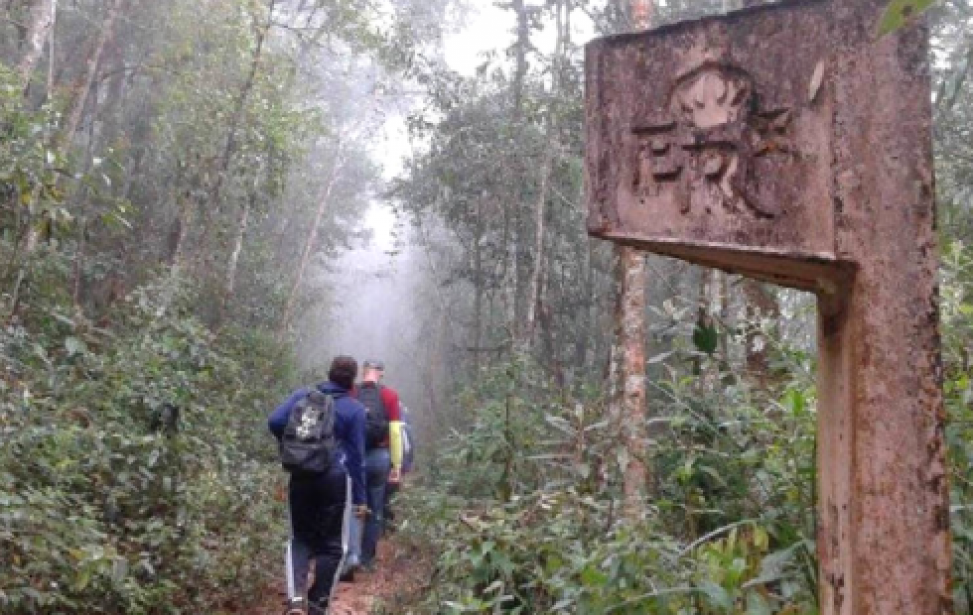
401,575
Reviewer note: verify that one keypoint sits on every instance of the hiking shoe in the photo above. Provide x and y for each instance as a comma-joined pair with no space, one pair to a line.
348,575
295,606
318,608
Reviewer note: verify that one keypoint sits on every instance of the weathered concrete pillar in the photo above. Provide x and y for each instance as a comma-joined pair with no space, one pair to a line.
790,144
884,531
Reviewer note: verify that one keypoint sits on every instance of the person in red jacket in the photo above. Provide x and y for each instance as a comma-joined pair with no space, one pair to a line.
408,458
383,451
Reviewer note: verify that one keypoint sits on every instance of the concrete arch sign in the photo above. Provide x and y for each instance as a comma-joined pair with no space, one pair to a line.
791,144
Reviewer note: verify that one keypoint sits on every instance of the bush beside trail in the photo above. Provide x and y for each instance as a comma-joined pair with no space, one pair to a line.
522,509
108,504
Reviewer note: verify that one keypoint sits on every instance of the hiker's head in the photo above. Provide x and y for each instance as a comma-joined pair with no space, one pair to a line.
343,371
372,371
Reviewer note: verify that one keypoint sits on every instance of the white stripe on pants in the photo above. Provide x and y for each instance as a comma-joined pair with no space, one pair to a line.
345,526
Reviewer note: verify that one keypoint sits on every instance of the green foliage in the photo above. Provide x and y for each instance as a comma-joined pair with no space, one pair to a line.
104,508
147,255
29,167
525,506
900,12
706,338
957,316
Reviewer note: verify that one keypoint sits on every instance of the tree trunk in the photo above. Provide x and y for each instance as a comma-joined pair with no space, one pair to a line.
630,355
761,304
236,118
510,281
631,350
477,294
544,181
80,98
514,281
614,372
79,205
312,235
51,52
234,262
79,263
540,212
582,342
114,106
521,47
703,319
179,233
38,29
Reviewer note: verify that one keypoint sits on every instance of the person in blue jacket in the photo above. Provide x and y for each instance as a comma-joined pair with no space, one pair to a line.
321,504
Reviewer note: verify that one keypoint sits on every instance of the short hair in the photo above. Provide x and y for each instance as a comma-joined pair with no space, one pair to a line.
343,371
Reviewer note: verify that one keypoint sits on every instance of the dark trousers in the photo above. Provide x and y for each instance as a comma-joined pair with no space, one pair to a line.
390,491
378,463
320,510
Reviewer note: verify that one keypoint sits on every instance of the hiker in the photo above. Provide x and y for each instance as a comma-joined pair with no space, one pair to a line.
408,458
321,433
383,451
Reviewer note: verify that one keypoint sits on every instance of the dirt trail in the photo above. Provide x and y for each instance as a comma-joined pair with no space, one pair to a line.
399,575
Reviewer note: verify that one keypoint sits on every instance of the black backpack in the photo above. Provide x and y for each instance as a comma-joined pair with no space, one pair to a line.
309,442
376,416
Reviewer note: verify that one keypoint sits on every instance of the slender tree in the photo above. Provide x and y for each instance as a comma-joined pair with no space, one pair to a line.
521,47
761,304
38,31
233,264
551,148
630,351
79,99
310,243
261,32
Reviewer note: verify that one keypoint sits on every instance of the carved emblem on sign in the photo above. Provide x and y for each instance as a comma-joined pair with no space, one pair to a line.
715,147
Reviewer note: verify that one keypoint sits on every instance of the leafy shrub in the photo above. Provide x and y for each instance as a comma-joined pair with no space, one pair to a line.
107,506
525,506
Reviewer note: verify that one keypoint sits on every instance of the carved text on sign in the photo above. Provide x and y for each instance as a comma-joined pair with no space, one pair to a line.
714,146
